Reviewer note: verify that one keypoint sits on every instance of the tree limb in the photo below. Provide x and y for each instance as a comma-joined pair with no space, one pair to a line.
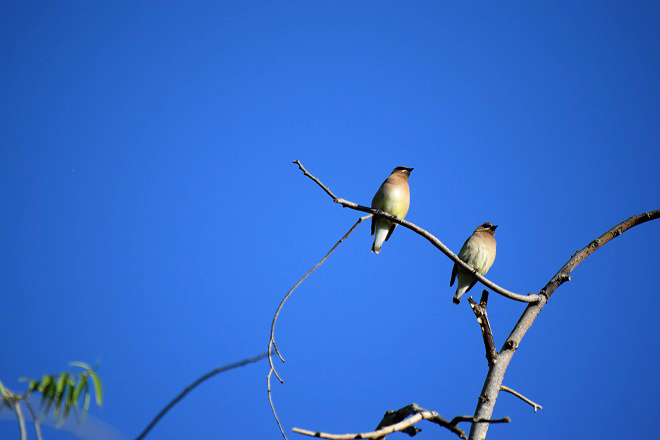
193,385
482,318
530,298
491,388
396,421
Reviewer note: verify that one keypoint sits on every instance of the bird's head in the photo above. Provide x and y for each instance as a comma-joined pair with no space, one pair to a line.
488,227
404,171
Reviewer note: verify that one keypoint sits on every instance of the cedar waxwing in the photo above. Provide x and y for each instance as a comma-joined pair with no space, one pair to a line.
479,252
393,197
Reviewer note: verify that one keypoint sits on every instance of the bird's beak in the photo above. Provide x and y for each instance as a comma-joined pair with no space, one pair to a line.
493,227
409,169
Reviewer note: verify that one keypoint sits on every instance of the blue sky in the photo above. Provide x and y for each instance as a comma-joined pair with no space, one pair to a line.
152,219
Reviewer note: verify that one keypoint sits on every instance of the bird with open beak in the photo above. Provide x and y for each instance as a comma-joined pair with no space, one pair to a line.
478,251
393,197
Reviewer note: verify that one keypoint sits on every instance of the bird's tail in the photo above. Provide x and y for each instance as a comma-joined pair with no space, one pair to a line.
460,290
381,235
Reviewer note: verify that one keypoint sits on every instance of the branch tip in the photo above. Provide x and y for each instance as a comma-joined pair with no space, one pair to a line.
534,405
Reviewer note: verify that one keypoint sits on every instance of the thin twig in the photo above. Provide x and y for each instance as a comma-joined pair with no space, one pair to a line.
318,182
193,385
272,405
521,397
487,333
21,419
396,421
271,342
493,382
530,298
35,419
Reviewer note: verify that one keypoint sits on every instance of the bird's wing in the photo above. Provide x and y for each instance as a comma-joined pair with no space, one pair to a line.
474,281
390,231
454,272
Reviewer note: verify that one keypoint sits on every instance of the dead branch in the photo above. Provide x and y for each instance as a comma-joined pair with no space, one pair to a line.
193,385
487,333
521,397
530,298
271,342
402,420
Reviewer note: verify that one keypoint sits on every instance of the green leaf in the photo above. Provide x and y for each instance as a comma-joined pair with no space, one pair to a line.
34,385
68,401
48,396
3,390
76,394
46,380
80,364
60,391
98,390
86,401
61,382
72,387
47,389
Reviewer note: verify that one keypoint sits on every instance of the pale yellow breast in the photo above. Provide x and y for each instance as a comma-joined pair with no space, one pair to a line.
393,198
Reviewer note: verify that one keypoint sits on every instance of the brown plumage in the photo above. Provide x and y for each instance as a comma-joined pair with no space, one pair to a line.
479,252
393,197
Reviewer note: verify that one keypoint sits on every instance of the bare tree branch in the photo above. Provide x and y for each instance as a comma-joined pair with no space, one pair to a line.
270,401
493,383
21,419
487,333
521,397
35,420
530,298
318,182
402,420
193,385
271,342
